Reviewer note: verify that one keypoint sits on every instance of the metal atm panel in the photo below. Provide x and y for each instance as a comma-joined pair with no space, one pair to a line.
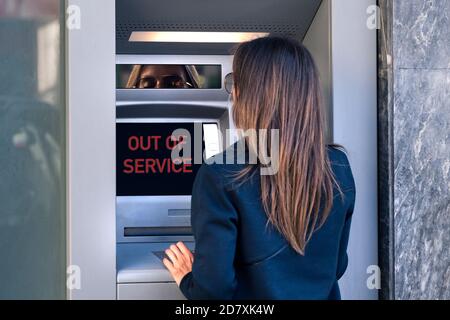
286,17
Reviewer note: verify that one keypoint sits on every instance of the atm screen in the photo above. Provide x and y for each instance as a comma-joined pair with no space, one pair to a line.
145,166
168,76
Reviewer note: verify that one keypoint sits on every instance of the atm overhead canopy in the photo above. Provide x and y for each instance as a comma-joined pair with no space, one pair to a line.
280,17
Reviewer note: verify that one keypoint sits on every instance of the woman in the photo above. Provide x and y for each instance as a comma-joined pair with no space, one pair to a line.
280,236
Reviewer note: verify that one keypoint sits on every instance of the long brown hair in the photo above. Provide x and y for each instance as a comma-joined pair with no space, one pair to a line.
276,86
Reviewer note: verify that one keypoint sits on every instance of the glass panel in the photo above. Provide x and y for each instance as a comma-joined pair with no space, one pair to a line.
168,76
32,148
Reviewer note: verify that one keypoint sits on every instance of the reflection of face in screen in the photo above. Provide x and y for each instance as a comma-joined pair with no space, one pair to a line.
163,77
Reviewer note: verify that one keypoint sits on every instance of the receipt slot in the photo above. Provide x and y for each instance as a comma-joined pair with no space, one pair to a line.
163,102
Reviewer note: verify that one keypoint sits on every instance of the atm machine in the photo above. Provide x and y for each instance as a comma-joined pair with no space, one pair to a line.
172,60
153,192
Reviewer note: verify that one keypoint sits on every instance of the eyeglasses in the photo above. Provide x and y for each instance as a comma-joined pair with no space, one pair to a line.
229,83
165,82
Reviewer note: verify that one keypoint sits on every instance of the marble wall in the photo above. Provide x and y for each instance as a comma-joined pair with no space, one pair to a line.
415,166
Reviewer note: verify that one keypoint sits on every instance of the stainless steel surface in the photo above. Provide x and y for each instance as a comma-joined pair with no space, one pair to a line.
91,150
140,272
153,211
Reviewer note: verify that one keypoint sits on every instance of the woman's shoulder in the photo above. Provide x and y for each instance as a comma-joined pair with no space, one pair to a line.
340,165
225,166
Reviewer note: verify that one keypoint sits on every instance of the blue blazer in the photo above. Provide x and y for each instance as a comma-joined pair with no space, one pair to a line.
239,256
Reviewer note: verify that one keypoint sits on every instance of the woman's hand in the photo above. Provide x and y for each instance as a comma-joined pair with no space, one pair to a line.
180,263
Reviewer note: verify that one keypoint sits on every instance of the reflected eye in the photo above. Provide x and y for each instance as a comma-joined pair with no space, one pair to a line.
147,83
